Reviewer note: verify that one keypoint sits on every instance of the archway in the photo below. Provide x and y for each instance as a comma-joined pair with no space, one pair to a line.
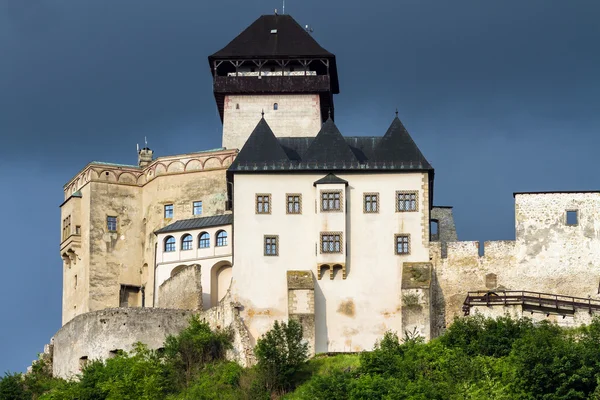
220,280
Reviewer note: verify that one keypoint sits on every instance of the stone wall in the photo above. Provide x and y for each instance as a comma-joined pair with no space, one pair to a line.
98,334
183,290
416,299
301,303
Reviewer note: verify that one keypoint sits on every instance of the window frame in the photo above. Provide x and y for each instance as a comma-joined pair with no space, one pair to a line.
334,234
184,241
293,203
169,247
376,201
262,202
205,240
571,210
407,193
331,192
274,243
171,208
108,223
223,240
195,206
402,235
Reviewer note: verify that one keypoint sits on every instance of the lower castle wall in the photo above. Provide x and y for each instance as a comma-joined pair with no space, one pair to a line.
183,290
98,333
581,316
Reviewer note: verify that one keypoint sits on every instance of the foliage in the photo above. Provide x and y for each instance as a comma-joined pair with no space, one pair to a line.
476,359
281,353
188,352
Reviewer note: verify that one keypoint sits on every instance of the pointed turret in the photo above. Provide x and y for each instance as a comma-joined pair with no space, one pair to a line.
329,147
397,146
261,147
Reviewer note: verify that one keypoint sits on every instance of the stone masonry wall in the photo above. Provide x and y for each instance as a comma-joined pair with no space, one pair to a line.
182,291
301,303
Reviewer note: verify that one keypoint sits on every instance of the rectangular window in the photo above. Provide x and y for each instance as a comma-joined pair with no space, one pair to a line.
111,224
78,230
272,245
197,208
402,244
66,227
371,203
168,210
572,217
294,203
331,201
406,201
263,204
331,242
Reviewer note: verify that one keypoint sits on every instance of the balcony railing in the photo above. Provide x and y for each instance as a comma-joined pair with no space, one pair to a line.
272,84
533,301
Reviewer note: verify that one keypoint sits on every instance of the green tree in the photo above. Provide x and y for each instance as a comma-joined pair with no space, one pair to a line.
281,353
12,387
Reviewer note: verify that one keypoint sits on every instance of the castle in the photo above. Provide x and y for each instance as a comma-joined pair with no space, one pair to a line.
291,219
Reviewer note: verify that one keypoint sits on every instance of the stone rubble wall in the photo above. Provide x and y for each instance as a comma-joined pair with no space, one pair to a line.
182,291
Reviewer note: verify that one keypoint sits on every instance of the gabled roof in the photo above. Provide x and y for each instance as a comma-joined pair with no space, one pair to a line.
396,142
330,179
288,40
261,147
330,151
329,144
197,223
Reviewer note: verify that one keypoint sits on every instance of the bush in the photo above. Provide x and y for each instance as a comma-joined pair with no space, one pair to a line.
281,353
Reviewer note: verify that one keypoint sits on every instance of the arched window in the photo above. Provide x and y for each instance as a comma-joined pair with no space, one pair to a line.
221,238
187,242
169,244
275,106
204,241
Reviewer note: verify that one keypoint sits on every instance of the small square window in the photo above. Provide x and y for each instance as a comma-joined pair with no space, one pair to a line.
331,201
111,224
402,243
272,245
294,203
572,217
168,210
263,204
331,242
197,208
407,201
371,203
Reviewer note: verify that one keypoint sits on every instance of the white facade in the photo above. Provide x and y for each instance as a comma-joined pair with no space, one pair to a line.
351,313
215,261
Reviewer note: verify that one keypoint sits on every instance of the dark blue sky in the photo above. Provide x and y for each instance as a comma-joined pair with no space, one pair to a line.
500,96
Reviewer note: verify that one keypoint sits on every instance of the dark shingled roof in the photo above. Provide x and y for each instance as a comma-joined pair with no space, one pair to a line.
330,179
197,223
330,151
257,41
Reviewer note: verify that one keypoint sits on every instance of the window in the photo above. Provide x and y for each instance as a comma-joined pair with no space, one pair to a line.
129,296
572,217
169,244
271,245
371,203
434,228
78,230
402,244
331,242
406,201
275,106
221,238
331,201
111,224
168,210
197,208
263,204
294,203
204,241
237,105
187,242
75,281
66,227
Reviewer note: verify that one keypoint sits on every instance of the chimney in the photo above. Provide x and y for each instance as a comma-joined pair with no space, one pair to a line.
144,157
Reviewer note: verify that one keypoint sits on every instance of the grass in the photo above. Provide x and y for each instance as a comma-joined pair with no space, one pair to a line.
323,364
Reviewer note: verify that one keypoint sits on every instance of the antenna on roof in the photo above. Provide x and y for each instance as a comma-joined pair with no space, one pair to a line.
145,141
275,11
396,111
283,11
308,28
138,147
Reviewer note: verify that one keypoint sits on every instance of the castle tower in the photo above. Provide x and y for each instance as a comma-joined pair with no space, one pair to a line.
276,67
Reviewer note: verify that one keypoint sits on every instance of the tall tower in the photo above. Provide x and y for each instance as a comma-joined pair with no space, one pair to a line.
276,67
